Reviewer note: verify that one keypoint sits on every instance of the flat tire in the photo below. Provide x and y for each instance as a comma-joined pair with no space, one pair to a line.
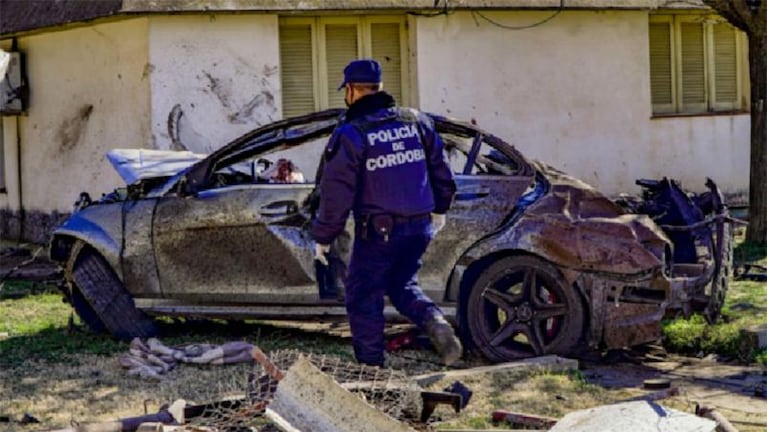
108,299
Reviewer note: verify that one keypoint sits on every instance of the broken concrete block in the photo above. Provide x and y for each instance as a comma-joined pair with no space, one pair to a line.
639,416
309,400
551,363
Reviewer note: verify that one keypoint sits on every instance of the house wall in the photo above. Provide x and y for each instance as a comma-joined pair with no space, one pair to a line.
575,93
88,93
221,72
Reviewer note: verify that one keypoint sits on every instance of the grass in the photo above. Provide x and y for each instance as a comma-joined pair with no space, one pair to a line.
35,335
749,252
541,393
745,306
35,325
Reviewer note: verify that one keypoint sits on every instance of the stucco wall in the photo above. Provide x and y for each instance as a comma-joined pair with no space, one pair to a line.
221,70
574,92
88,94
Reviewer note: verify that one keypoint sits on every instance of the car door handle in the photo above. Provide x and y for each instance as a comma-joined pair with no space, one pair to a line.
469,194
279,208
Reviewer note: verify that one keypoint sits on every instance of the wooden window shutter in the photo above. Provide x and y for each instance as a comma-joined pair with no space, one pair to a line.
341,48
693,73
385,47
725,67
661,74
297,71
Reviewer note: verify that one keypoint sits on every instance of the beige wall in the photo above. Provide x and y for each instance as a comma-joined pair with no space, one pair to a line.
574,92
222,71
88,94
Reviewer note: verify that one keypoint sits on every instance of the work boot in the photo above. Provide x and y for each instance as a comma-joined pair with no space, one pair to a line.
443,338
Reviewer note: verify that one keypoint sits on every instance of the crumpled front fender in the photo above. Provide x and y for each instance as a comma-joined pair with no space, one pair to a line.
96,226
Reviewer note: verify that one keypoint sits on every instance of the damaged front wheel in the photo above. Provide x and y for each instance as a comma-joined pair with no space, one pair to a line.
107,298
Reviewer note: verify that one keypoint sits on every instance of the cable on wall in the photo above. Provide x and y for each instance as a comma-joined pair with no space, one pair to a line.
524,27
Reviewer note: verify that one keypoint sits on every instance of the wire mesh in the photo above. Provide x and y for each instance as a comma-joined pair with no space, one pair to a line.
247,397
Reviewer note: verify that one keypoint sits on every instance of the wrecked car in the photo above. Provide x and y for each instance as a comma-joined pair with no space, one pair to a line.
532,261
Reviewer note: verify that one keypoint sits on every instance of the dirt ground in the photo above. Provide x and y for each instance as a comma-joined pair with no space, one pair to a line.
40,396
95,389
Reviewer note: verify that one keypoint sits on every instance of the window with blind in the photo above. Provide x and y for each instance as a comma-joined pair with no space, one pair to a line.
695,64
314,51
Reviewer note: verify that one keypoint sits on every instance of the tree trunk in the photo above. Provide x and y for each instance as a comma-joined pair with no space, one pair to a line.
757,194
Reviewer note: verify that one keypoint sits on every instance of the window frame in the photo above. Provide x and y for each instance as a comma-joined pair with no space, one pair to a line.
364,49
710,106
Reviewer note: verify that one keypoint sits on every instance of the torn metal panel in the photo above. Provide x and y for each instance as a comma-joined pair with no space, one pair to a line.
309,400
138,164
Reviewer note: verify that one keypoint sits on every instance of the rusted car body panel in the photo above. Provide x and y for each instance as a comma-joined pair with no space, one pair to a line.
213,240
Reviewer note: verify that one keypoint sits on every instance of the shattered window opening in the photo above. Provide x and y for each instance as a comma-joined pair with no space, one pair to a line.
488,161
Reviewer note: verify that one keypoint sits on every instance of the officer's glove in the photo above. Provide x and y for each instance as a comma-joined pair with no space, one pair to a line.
438,222
320,252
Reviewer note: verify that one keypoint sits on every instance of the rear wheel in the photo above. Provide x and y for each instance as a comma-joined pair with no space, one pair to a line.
720,281
106,298
521,306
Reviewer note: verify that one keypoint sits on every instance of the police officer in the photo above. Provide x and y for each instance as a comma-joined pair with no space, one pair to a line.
386,165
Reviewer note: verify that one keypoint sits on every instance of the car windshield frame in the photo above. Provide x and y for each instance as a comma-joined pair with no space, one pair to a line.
295,131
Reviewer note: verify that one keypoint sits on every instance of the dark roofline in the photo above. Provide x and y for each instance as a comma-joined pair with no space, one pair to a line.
21,16
18,16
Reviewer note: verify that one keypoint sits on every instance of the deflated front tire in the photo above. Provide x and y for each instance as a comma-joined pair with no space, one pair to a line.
108,299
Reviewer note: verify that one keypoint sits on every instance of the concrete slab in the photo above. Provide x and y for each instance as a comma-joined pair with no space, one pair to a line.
309,400
637,416
551,363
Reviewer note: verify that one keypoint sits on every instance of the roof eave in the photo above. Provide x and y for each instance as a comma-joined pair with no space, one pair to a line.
345,5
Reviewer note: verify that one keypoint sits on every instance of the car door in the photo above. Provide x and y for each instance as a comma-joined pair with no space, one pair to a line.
489,181
242,243
240,235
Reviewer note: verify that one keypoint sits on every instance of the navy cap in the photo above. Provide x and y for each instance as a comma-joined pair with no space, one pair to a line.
361,71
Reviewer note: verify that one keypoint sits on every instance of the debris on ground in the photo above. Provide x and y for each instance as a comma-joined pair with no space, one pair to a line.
19,263
638,416
291,390
751,271
312,401
655,396
551,363
151,359
723,425
305,395
753,338
432,399
516,419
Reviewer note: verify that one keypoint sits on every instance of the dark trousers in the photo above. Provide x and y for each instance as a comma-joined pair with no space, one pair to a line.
390,267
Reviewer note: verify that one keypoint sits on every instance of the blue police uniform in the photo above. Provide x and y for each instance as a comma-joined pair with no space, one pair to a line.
386,166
